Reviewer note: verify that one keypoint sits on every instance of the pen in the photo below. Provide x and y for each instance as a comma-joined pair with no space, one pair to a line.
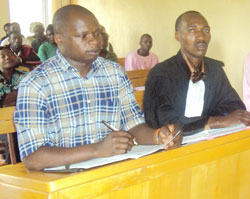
115,129
173,138
109,126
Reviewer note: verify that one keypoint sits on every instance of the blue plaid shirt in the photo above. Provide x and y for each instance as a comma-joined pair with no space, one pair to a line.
58,107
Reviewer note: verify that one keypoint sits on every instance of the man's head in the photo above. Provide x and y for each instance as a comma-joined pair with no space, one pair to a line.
15,27
77,34
146,42
6,28
193,33
15,39
7,59
38,30
50,34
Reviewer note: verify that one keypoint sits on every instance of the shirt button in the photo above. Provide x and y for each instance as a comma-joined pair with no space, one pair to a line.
90,121
88,101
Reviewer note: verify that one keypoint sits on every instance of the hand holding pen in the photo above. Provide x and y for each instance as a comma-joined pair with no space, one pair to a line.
170,135
116,142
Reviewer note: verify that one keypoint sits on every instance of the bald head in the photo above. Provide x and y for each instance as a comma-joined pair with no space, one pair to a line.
179,20
63,15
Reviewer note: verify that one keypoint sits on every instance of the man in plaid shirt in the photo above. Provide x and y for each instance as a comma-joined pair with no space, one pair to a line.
62,103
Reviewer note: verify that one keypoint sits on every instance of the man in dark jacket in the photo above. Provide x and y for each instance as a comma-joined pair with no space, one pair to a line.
189,88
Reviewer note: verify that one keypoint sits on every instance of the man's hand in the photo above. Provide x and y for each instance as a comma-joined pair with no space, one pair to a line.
236,117
167,133
117,142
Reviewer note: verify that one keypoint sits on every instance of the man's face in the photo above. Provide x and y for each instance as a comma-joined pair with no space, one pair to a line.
194,35
81,40
7,59
39,31
50,36
146,43
15,41
15,27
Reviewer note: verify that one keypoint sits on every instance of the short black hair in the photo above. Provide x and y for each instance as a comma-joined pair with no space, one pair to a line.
62,15
50,27
178,20
145,35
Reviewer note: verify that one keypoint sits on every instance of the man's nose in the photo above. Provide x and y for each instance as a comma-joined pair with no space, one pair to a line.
93,39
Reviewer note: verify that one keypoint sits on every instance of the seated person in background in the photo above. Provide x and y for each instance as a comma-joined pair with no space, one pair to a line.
142,58
189,88
246,82
9,80
40,38
106,54
47,49
15,27
6,28
31,28
9,77
61,103
26,54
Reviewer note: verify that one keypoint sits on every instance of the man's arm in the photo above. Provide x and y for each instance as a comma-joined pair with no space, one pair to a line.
230,109
45,156
236,117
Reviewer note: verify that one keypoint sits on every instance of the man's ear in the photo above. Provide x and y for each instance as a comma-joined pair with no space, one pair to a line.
177,36
58,39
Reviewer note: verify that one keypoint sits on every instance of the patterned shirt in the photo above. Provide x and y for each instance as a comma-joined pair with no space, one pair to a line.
7,87
58,107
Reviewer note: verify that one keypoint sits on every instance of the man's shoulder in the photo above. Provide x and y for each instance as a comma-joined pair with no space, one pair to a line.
213,62
131,54
40,73
110,66
153,55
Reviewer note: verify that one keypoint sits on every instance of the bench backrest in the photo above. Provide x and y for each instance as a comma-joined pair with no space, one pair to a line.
138,77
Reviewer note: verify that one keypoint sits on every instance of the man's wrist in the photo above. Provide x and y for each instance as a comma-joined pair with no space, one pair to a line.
156,136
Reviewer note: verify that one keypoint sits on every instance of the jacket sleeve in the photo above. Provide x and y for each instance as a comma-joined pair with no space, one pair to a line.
228,99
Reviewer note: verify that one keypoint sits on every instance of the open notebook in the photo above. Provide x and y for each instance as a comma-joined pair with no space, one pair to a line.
212,133
142,150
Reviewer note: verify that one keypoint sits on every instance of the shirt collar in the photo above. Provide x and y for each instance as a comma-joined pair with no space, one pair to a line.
65,65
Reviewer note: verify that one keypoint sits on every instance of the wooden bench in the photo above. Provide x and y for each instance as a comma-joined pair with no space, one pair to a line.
121,61
7,127
139,95
138,77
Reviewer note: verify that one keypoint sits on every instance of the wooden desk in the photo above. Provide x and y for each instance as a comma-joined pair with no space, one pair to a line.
215,169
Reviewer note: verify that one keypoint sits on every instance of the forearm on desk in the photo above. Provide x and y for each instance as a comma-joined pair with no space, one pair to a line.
45,156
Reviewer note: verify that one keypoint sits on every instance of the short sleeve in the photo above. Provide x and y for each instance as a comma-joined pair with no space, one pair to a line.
31,119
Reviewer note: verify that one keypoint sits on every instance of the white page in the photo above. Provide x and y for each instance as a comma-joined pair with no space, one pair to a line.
212,133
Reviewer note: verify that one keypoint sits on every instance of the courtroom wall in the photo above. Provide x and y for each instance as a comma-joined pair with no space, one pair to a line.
4,10
126,20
